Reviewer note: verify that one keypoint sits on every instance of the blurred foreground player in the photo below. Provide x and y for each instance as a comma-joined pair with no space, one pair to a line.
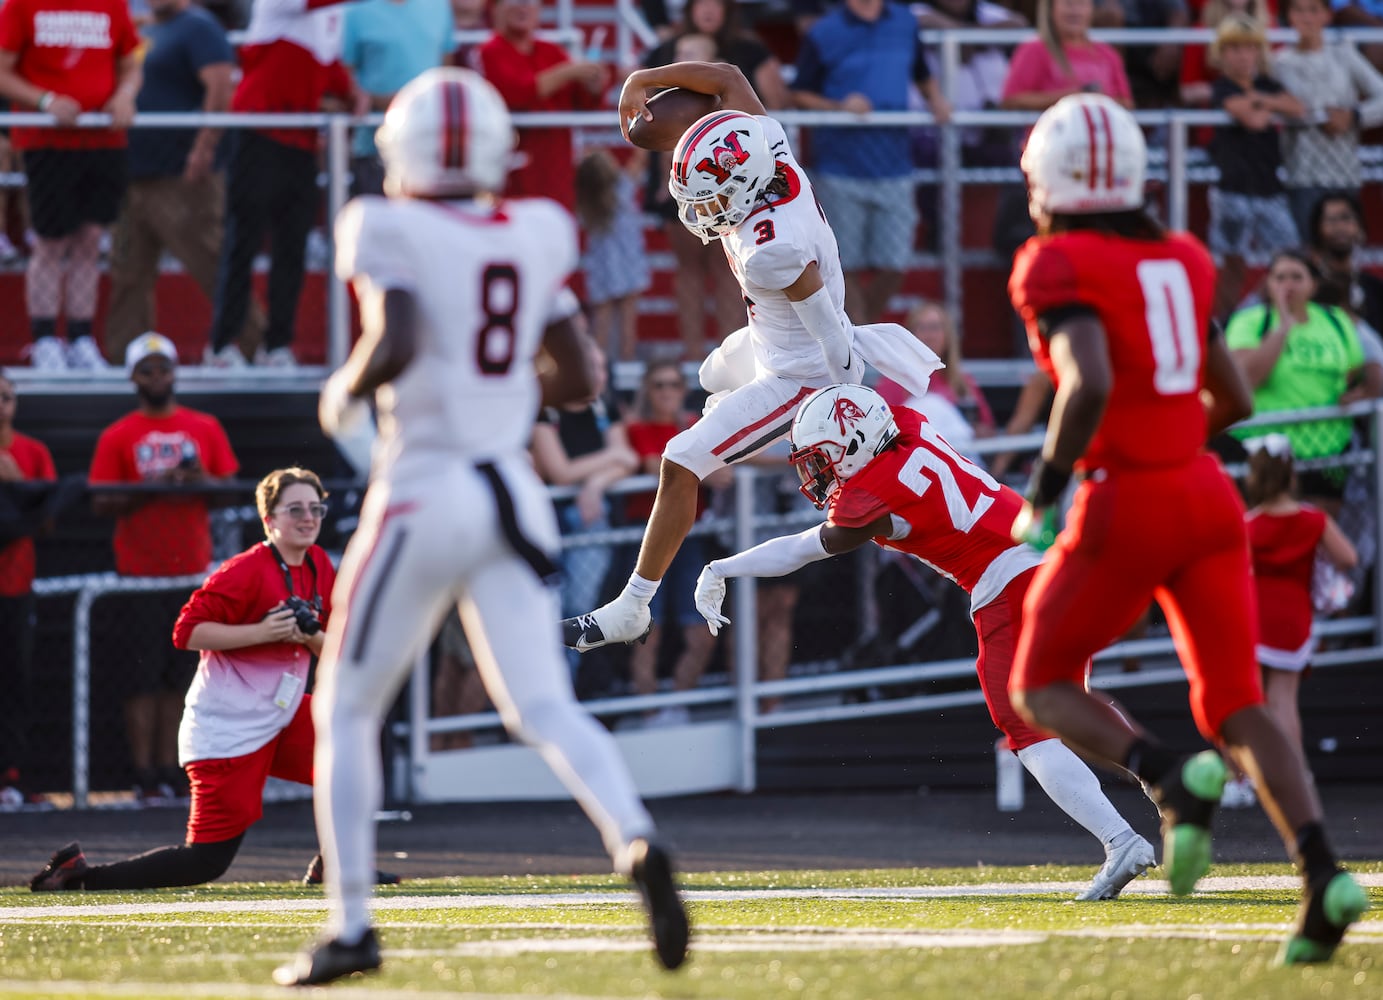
884,474
460,297
1118,313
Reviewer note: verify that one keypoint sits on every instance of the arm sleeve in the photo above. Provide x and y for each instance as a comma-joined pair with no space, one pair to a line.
123,32
207,44
14,30
222,462
46,469
1369,83
515,81
107,464
855,508
1027,70
223,598
1118,75
775,557
1243,328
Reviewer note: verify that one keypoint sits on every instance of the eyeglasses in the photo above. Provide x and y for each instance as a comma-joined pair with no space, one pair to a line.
665,384
300,513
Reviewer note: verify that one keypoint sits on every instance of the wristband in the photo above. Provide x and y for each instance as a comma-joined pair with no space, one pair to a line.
1047,484
46,101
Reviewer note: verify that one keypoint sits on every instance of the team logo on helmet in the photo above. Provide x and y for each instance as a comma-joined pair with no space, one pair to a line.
847,413
723,160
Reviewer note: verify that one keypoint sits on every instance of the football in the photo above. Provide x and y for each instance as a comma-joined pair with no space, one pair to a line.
673,111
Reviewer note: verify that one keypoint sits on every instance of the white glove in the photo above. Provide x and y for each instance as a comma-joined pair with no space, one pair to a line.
340,413
710,595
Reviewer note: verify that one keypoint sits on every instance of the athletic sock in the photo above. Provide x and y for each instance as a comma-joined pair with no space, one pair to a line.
1150,761
1073,786
1314,857
641,589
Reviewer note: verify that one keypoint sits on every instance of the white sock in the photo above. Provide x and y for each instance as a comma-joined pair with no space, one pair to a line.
349,788
1074,787
640,589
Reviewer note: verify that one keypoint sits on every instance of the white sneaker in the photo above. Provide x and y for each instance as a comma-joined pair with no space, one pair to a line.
279,357
48,354
229,356
673,715
1238,794
625,619
84,355
1122,865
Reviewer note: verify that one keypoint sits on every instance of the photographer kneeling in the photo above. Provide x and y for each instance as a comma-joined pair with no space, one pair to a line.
257,620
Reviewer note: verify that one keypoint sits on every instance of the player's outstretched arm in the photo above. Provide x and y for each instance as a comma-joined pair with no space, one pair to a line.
721,79
1229,397
778,557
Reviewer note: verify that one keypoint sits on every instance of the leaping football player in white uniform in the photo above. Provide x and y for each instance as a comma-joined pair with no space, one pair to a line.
734,179
462,333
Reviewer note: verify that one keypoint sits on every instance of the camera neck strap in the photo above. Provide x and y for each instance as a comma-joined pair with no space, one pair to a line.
288,574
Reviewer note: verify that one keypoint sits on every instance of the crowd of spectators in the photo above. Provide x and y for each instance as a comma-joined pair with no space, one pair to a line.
1290,175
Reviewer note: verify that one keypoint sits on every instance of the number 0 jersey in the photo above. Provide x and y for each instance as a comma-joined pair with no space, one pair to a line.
959,514
1153,299
769,251
485,280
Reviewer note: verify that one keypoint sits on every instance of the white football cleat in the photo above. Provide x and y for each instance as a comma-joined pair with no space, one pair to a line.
1122,865
625,619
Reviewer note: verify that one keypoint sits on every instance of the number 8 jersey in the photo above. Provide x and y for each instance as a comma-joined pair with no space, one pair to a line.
486,280
959,516
1153,298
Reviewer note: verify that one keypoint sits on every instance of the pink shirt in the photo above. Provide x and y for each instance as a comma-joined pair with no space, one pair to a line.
1033,70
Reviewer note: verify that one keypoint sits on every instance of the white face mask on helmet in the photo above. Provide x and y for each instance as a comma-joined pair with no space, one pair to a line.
447,132
720,167
1085,154
838,430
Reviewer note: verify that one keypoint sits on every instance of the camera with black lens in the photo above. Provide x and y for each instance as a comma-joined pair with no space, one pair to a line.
303,614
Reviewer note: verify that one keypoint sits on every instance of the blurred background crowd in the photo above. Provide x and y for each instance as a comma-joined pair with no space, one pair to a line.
217,237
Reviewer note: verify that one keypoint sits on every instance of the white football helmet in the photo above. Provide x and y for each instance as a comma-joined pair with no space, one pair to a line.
720,167
838,430
447,132
1085,154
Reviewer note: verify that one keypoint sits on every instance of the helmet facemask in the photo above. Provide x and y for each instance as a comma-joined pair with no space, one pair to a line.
817,472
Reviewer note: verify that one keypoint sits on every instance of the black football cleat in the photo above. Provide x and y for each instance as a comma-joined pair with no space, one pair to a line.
330,959
624,619
313,875
65,864
652,873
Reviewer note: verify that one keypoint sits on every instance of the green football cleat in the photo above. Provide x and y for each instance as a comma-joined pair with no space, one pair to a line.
1327,909
1187,799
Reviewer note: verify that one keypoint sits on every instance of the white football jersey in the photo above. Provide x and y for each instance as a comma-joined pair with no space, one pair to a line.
769,251
487,281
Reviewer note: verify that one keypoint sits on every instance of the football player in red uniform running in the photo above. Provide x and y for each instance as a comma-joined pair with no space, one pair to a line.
889,477
1118,314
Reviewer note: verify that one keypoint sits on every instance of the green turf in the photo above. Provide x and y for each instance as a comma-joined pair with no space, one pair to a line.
748,944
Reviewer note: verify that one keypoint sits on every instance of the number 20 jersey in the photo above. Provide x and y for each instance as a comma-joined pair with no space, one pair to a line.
485,280
1153,298
960,516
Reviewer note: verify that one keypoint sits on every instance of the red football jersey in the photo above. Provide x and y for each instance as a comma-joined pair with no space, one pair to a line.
1154,300
960,515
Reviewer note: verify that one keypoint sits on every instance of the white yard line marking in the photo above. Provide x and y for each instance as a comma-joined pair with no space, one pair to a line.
1140,887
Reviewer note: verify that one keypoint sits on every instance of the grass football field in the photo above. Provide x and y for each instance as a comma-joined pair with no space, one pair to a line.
986,932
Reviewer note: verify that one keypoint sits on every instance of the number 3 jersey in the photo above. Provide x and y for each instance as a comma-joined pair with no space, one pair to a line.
769,251
486,280
959,516
1153,298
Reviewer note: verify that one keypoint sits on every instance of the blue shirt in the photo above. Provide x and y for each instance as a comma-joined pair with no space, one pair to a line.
387,43
175,53
844,54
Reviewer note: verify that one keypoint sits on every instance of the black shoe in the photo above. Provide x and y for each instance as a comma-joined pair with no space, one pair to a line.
65,864
313,875
652,873
330,959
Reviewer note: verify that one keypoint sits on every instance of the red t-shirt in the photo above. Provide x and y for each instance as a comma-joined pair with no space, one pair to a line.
1153,299
549,172
1284,558
169,535
960,516
17,558
648,439
245,587
71,47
